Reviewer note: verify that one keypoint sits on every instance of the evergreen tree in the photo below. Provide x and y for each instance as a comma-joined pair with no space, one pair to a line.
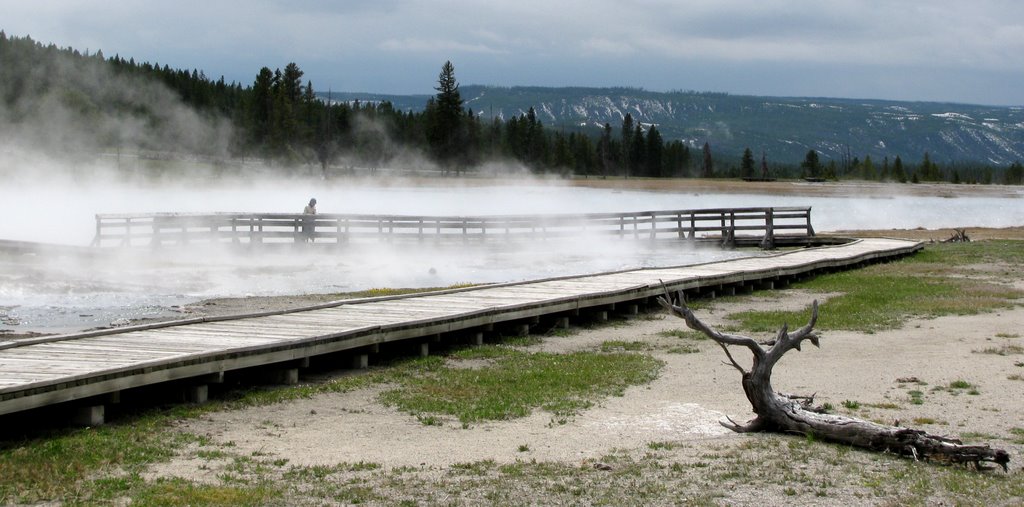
445,118
707,165
677,159
654,153
261,106
604,150
637,152
1014,174
897,170
627,139
867,169
747,164
811,166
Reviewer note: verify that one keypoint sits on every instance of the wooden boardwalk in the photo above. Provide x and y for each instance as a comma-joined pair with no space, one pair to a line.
776,225
94,367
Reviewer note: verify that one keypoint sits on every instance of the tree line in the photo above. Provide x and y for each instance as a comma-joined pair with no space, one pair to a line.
281,117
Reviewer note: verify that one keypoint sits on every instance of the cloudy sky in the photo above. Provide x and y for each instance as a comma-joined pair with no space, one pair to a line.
933,50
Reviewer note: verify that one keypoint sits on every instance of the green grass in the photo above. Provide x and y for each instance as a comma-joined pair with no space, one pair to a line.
54,465
684,334
176,491
883,296
1002,350
624,346
1018,435
960,384
517,382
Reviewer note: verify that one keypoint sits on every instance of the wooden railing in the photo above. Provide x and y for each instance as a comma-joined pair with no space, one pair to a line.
766,225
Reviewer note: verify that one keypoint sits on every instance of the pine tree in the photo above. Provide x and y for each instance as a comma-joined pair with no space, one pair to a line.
627,140
867,169
654,153
261,106
897,170
811,165
747,164
445,118
638,150
707,165
1014,174
604,150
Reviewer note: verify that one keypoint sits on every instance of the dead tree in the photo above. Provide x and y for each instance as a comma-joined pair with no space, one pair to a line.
959,236
788,413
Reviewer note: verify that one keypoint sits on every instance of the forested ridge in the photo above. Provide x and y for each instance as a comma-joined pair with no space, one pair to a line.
63,99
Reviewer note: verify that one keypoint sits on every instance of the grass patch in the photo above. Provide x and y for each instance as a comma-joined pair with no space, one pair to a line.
624,346
885,405
1003,350
960,384
518,382
684,334
526,341
55,465
883,296
178,491
851,404
683,349
1018,435
916,397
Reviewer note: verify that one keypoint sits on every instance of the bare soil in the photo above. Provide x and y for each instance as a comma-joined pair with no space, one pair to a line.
873,374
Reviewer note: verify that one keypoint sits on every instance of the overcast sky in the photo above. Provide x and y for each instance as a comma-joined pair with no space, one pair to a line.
933,50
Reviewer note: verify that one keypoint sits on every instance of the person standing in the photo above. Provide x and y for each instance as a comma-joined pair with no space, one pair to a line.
308,222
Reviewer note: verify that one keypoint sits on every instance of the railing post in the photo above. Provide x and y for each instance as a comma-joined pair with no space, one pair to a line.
99,229
768,243
654,225
127,239
810,230
693,226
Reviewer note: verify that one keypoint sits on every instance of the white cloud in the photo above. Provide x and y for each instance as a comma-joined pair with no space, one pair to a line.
416,45
960,38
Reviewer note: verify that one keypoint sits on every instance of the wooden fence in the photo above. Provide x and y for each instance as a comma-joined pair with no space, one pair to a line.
763,225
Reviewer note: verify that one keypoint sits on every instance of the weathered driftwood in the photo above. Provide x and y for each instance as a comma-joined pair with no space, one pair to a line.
789,413
959,236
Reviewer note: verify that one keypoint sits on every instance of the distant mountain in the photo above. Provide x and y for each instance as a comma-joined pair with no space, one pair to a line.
784,128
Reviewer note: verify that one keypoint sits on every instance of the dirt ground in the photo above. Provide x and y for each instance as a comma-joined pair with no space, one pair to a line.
693,392
683,405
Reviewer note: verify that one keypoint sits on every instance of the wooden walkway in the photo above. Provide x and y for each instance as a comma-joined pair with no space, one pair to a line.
94,367
776,225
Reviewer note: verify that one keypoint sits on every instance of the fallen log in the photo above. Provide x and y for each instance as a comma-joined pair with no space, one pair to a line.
788,413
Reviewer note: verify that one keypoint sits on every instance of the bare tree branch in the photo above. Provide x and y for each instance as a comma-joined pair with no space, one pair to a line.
788,413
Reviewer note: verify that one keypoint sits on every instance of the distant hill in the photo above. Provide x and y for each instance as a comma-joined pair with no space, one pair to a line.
784,128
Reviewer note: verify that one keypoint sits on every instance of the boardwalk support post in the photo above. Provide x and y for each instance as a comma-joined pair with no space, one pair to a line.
360,361
197,393
92,415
